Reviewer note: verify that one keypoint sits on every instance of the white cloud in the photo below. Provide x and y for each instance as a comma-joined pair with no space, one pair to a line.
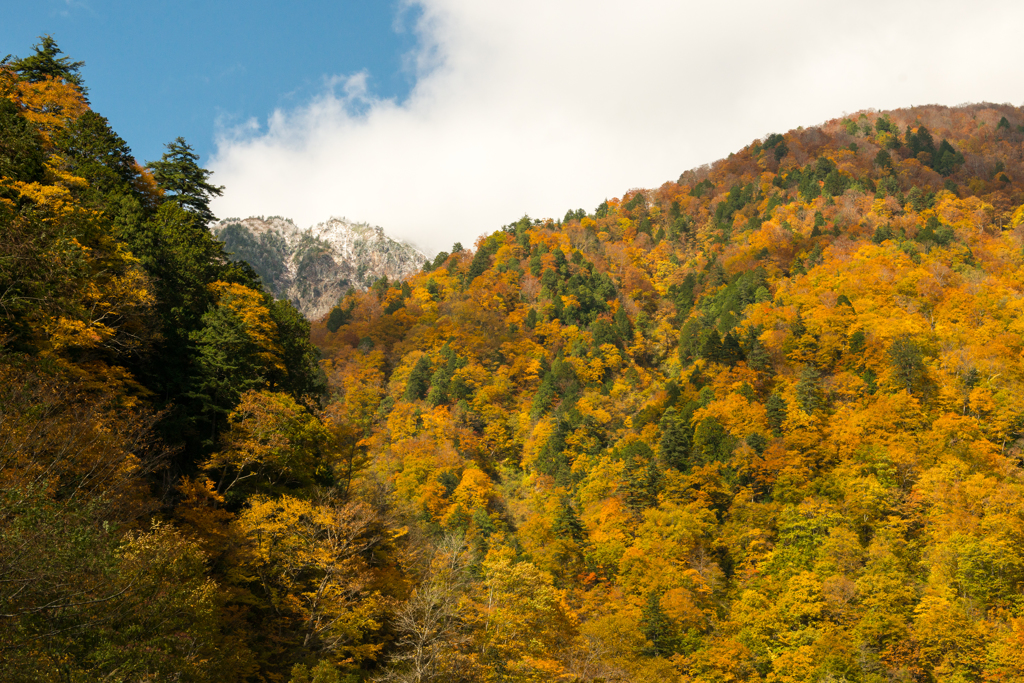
539,106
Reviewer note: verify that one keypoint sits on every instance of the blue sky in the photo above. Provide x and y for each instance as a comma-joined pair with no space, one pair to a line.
159,69
441,120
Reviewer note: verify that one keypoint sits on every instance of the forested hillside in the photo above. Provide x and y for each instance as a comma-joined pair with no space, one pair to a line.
759,424
762,423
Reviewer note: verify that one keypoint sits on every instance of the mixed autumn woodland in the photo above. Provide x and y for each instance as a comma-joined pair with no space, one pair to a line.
761,423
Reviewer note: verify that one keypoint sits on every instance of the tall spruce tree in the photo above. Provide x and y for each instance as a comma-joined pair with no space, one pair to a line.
657,628
185,182
567,523
419,380
45,63
777,409
674,447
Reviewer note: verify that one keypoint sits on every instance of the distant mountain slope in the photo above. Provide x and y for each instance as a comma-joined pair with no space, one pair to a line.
762,423
314,267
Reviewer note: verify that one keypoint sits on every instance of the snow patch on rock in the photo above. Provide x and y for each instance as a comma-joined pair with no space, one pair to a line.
314,267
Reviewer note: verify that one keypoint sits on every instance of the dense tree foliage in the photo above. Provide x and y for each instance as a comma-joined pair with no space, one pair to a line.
130,352
761,423
734,421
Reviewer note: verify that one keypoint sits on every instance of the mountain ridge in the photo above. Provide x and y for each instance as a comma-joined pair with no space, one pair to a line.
315,266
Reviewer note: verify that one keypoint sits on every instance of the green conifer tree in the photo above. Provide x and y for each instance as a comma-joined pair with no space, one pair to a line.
567,523
807,391
45,63
622,325
657,628
21,147
776,409
419,380
674,446
185,182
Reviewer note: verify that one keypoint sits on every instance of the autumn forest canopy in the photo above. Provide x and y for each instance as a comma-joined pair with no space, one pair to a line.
761,423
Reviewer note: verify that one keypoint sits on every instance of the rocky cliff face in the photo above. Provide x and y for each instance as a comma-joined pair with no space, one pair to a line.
313,268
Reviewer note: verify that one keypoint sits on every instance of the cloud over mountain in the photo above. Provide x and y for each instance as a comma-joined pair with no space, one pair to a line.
522,107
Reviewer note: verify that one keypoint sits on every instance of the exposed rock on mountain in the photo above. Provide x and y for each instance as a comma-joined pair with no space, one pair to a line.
313,268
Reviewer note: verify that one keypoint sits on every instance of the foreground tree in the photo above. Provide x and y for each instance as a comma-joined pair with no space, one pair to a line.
45,63
185,182
307,561
435,623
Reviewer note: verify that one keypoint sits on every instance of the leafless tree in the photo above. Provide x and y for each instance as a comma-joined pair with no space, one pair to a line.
433,623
